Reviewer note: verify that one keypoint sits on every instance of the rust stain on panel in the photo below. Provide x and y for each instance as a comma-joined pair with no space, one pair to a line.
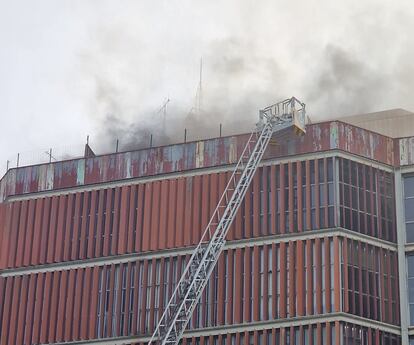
80,173
65,174
201,154
233,156
406,151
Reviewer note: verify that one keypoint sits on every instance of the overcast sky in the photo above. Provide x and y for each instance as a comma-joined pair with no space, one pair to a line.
72,68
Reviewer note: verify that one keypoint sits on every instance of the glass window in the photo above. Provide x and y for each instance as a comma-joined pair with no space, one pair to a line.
409,207
363,192
409,187
409,227
410,283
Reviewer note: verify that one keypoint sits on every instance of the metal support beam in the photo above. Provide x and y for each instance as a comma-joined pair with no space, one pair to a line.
402,269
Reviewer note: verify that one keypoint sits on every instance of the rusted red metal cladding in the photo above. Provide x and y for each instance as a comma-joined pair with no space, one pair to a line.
5,219
162,214
188,156
365,143
78,304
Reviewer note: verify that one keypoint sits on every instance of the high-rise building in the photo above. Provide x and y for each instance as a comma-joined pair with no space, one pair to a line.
319,252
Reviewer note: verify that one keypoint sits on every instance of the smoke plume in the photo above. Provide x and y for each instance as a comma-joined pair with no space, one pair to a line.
256,60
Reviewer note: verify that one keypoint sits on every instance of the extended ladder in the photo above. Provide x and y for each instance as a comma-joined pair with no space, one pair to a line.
179,309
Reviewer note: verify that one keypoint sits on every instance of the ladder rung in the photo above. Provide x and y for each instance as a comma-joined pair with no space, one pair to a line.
203,261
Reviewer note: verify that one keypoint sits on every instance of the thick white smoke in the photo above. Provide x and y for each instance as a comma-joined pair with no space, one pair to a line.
105,68
340,59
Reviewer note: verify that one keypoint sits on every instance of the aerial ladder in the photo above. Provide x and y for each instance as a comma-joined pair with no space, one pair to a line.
273,120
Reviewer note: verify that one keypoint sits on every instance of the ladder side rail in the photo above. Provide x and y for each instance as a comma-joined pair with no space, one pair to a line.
226,222
202,241
205,253
208,251
233,210
181,304
249,171
253,162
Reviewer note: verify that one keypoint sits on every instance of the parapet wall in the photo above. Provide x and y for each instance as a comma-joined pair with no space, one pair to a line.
200,154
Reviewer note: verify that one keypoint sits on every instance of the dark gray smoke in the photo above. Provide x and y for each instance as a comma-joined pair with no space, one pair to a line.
234,86
346,84
358,62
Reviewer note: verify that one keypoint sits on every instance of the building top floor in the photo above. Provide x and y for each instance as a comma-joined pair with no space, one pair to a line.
202,154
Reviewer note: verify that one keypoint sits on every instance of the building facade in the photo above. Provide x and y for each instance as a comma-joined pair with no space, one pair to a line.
319,252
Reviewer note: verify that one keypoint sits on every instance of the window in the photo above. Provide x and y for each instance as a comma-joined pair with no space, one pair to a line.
410,282
367,200
140,288
115,301
252,284
226,285
409,207
269,283
157,291
131,298
100,299
261,288
148,304
106,306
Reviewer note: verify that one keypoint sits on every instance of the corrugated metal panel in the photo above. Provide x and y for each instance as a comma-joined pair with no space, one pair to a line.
156,215
63,293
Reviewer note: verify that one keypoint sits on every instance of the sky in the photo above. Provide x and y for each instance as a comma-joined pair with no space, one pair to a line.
76,68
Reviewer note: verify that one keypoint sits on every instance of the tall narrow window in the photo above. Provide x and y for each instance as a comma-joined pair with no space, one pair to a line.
288,282
100,301
123,298
251,277
115,301
269,282
148,304
410,280
226,284
131,298
323,286
409,207
261,272
106,308
140,288
157,291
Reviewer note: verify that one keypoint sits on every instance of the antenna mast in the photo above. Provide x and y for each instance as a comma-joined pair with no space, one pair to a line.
163,111
200,88
199,94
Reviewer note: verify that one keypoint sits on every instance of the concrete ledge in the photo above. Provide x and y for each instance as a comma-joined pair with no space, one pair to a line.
254,326
250,242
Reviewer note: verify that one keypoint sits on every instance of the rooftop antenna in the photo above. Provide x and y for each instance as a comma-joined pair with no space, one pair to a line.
198,101
49,153
163,112
199,95
200,86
